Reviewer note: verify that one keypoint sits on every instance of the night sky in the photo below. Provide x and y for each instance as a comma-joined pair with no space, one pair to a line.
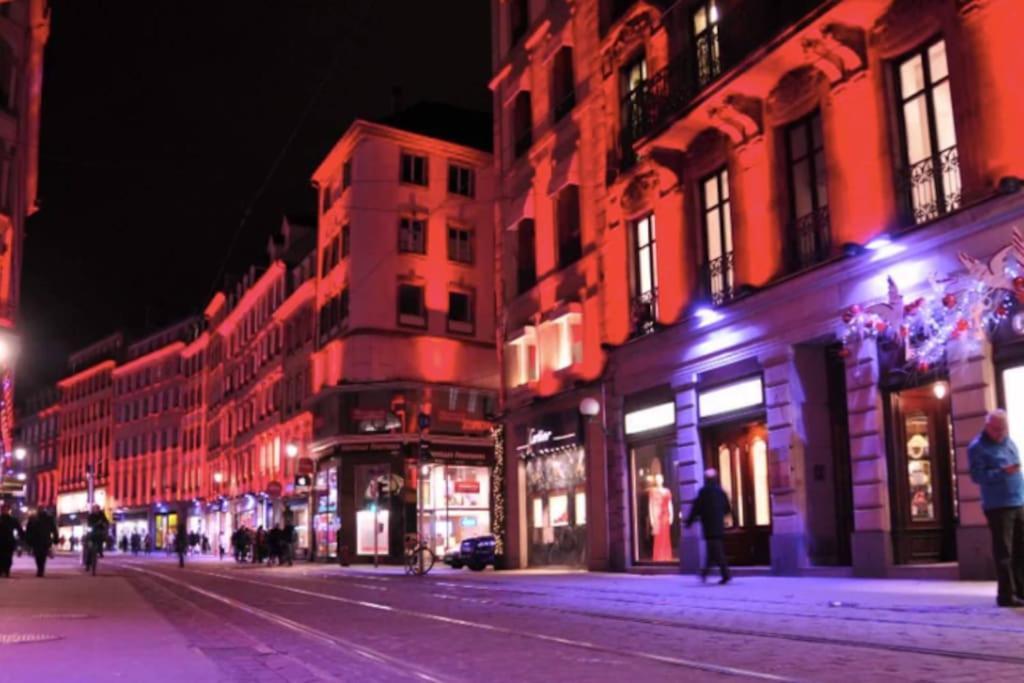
162,124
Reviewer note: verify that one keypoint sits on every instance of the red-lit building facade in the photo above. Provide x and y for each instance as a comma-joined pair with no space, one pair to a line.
24,29
257,357
405,327
37,432
749,173
86,422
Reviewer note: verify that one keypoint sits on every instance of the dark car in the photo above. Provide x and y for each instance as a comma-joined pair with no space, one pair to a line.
475,553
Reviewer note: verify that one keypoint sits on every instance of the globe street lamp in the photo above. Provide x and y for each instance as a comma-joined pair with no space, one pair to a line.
291,450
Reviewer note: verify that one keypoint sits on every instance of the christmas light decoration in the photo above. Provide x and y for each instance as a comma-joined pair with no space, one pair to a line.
498,490
960,309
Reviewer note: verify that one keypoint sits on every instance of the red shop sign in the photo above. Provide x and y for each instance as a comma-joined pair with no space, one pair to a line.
467,487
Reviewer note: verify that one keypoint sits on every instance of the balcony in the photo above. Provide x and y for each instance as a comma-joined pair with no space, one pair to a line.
720,279
670,92
812,239
645,313
931,187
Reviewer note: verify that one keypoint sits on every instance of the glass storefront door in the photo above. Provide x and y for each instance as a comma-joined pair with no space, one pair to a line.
740,454
922,481
655,522
455,503
556,509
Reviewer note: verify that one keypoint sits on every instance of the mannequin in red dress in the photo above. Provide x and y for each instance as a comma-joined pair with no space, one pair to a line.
659,509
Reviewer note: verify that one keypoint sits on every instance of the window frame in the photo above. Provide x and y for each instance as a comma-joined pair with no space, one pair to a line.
467,327
406,245
706,73
726,239
648,252
409,319
454,255
412,158
457,173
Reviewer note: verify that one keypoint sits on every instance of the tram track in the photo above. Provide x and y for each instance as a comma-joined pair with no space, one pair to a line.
593,647
901,648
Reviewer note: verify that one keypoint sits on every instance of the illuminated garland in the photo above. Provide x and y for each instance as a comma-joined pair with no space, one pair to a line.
959,310
6,407
498,489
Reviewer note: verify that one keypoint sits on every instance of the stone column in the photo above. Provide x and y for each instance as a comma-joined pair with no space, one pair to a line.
614,510
872,521
785,463
972,392
689,474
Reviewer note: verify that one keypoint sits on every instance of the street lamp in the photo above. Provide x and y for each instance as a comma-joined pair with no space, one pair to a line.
218,477
20,453
291,450
590,407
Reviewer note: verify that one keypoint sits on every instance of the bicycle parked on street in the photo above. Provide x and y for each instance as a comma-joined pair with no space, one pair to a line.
419,558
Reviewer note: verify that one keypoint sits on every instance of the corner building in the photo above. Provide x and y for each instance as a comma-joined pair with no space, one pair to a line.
754,172
405,328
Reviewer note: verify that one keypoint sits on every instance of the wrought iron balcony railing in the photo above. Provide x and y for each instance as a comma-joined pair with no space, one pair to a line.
931,187
645,312
812,239
720,279
741,30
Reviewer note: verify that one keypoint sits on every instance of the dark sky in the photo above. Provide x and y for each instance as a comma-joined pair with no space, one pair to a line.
163,119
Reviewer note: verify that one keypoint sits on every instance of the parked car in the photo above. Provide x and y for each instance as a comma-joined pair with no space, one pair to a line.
475,553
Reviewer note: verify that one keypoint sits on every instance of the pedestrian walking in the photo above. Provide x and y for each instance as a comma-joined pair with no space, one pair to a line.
711,506
289,542
41,535
260,548
10,532
136,542
147,544
995,468
181,543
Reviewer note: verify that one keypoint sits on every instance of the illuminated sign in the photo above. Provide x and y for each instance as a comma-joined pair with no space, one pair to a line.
730,398
661,415
69,503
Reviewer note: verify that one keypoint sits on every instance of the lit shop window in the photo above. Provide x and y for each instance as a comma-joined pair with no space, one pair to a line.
521,358
1013,390
561,341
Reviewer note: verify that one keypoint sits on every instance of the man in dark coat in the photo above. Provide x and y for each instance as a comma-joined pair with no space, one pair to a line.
711,506
10,532
41,534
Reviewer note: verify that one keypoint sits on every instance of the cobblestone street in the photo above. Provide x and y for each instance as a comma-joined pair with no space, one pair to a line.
147,620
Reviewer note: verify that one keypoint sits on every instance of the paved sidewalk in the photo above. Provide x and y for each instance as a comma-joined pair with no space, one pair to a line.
69,626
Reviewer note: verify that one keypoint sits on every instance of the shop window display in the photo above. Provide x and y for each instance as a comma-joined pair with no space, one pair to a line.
656,529
557,529
325,521
455,505
919,469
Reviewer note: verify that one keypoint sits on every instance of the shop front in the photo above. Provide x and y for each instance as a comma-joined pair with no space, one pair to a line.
130,522
734,438
73,510
326,523
553,464
649,426
455,497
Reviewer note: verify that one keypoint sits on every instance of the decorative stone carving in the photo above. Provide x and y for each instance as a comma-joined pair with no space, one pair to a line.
907,23
796,93
739,117
636,194
838,52
633,31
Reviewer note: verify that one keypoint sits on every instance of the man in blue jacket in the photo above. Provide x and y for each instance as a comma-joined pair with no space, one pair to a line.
995,468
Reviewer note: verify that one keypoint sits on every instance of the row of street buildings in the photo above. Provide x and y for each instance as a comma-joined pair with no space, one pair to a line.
776,239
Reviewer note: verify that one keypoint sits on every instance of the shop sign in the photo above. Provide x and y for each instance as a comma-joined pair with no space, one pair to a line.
453,455
539,436
661,415
730,398
274,488
467,486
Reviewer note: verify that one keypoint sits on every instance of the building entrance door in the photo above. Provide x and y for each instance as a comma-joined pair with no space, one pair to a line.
922,481
740,454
